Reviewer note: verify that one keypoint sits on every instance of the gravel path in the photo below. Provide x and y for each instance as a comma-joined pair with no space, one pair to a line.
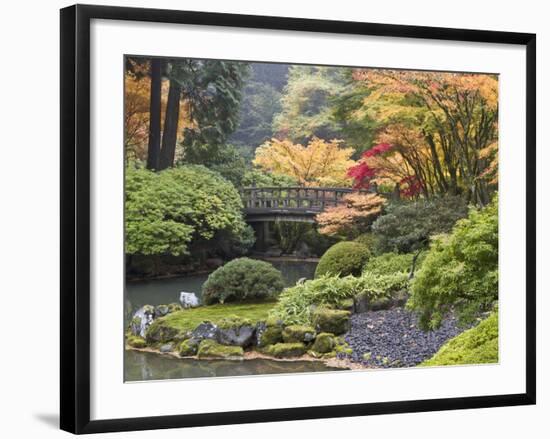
391,338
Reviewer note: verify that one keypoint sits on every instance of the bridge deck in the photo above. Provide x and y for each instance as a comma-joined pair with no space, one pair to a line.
289,203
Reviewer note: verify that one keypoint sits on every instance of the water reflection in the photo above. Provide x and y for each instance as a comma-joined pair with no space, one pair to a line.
143,366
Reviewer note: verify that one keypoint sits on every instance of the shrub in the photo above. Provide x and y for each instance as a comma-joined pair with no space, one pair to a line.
391,263
369,240
343,259
460,270
475,346
242,279
295,304
167,210
407,226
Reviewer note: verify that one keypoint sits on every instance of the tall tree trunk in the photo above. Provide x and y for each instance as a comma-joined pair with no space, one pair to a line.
153,150
170,133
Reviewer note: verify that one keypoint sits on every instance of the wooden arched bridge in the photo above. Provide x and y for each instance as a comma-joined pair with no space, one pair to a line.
298,204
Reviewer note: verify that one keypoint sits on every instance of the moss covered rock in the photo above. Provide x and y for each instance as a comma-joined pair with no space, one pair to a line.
211,349
475,346
298,334
135,341
236,331
188,347
160,332
270,335
334,321
285,350
324,343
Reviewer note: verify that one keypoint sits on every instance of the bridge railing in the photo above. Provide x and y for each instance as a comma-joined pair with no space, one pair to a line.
292,198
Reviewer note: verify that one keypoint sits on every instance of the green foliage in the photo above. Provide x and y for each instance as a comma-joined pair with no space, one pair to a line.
288,234
260,103
390,263
369,240
227,161
258,178
475,346
242,279
343,258
407,226
460,270
306,103
168,210
294,305
213,92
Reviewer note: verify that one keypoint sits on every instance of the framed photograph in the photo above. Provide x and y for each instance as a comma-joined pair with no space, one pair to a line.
268,219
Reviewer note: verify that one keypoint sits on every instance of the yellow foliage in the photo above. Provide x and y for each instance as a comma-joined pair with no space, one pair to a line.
356,212
319,163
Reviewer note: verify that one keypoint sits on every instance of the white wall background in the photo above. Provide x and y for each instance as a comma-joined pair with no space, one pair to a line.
29,206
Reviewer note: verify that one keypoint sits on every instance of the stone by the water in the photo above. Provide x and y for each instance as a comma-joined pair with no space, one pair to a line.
189,300
142,319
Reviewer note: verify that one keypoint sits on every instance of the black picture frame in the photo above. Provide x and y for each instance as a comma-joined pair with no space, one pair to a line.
75,217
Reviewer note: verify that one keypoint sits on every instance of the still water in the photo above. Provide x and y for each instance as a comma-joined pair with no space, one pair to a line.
143,366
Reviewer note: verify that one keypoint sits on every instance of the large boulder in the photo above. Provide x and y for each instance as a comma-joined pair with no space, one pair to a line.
142,319
205,331
298,334
211,349
324,343
334,321
189,300
285,350
267,334
161,332
188,347
236,331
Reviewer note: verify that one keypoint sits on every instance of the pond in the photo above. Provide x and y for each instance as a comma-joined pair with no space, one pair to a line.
143,366
163,291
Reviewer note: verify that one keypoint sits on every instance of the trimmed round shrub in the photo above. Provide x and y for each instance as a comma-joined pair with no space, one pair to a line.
242,279
343,259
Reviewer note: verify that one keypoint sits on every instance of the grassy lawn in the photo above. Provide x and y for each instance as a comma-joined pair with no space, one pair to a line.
189,319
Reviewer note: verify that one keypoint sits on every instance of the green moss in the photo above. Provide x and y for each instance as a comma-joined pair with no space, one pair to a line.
160,332
344,258
475,346
285,350
135,341
298,334
271,335
234,321
324,343
331,320
189,319
211,349
187,348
